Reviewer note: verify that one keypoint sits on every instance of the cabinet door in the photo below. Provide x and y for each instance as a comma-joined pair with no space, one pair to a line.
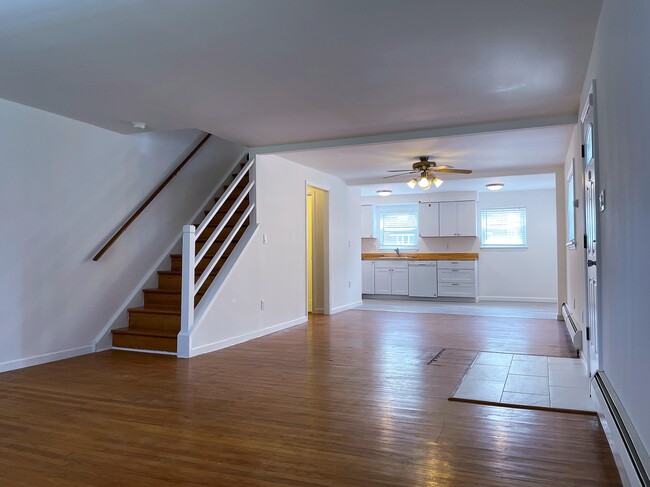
367,221
367,277
467,218
429,221
400,282
448,218
382,281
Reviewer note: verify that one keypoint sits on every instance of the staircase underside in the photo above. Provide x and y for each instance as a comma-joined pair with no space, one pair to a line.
155,326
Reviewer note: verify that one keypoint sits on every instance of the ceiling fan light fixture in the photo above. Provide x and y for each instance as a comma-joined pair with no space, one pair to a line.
384,192
424,183
438,182
494,186
412,183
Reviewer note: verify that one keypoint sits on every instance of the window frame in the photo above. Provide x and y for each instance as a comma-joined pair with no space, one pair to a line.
524,234
381,210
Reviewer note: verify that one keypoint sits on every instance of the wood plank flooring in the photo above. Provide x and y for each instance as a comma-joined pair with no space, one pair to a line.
346,400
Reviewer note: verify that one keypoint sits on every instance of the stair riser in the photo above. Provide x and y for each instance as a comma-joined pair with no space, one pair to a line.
173,281
216,245
166,301
177,263
152,321
162,344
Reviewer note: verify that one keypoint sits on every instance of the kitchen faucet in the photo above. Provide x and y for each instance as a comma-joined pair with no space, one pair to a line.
397,251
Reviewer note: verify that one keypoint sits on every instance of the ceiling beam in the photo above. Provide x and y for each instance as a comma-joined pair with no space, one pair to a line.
420,134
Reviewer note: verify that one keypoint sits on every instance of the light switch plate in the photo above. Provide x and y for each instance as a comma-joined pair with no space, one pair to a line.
265,238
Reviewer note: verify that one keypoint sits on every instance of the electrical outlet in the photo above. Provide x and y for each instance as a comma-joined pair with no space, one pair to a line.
262,305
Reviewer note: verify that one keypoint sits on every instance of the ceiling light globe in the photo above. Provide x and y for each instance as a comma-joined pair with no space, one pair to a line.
424,183
412,183
438,182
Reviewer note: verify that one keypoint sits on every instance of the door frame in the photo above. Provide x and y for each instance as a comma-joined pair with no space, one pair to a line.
327,310
590,104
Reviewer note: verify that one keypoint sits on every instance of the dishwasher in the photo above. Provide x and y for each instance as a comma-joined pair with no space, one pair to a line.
423,279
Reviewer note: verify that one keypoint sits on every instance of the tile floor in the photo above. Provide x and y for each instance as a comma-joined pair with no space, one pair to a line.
527,380
483,308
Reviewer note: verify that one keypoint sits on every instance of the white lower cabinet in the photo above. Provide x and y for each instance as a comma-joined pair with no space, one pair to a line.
367,277
392,277
457,279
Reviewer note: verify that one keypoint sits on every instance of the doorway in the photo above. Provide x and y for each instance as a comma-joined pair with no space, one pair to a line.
317,238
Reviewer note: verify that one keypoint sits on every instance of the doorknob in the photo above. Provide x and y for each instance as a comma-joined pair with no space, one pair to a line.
591,263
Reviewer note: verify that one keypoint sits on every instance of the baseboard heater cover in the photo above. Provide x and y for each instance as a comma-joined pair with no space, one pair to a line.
575,332
631,457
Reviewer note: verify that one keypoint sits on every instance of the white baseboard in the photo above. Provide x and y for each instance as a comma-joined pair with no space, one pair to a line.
631,457
229,342
45,358
346,307
518,299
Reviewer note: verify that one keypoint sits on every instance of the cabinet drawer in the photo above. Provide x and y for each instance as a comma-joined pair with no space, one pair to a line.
391,264
456,275
456,264
456,290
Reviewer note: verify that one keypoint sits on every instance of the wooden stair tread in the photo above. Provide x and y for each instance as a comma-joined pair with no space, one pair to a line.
145,332
157,290
159,311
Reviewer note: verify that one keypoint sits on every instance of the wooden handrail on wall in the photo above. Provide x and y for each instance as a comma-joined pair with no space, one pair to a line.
151,197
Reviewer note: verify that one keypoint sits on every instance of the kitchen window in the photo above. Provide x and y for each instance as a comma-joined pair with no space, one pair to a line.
398,226
503,228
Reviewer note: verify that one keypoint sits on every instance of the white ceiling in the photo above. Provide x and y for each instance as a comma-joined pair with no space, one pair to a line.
263,72
490,156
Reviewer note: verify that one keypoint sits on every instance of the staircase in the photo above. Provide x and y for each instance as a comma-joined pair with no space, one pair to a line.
155,326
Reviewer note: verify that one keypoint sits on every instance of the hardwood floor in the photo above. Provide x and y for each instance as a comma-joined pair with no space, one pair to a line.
347,400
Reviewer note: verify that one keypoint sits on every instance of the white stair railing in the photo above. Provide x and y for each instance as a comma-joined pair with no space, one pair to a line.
190,284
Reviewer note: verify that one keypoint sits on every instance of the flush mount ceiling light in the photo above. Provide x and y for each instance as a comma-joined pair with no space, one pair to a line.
384,192
139,125
494,186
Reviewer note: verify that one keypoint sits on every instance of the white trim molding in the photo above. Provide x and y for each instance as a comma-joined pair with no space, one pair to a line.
229,342
518,299
629,453
45,358
346,307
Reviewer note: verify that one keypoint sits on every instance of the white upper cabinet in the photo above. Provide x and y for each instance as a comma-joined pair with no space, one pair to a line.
467,221
367,221
457,219
429,220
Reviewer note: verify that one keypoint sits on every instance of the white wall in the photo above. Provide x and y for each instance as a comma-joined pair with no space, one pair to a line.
276,272
619,63
526,274
575,258
65,186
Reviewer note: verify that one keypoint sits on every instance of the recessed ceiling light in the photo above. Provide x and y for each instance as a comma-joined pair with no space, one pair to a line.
384,192
139,125
494,186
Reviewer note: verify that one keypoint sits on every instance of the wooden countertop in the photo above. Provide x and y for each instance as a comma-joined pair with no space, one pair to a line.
422,256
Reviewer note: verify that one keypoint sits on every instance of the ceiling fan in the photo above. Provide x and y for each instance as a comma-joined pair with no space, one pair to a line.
426,170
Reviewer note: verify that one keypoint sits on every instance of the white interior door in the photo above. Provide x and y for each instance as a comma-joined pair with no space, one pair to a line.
591,217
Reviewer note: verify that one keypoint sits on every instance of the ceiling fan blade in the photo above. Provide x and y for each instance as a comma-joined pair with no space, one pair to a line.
396,175
400,170
459,171
441,167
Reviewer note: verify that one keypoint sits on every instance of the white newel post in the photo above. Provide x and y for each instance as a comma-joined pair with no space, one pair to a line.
187,292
